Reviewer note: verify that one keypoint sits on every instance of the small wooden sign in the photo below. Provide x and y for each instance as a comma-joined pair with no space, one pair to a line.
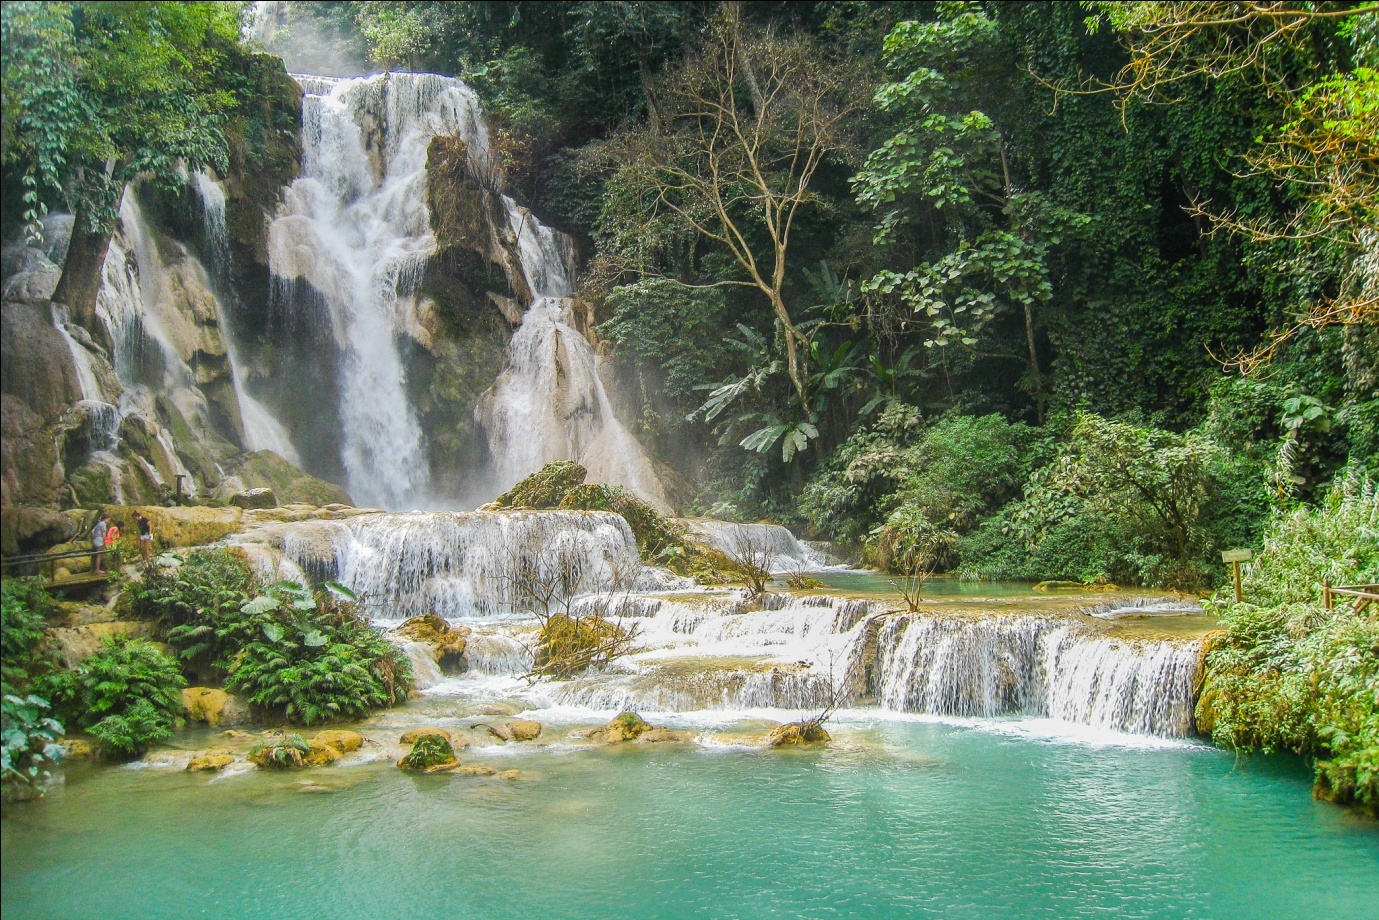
1236,555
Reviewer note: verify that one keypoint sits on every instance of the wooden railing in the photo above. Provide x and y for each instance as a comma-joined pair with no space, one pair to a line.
1364,595
16,565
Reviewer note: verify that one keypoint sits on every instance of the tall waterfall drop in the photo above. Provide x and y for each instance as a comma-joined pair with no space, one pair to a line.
550,403
355,227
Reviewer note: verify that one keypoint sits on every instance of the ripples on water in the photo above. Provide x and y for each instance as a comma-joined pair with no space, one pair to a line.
903,818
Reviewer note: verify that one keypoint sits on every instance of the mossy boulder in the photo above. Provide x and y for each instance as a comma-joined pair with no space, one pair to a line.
568,646
179,526
254,499
412,736
447,642
430,754
204,704
627,726
655,533
320,754
798,733
544,489
523,729
266,470
280,751
668,736
346,742
212,761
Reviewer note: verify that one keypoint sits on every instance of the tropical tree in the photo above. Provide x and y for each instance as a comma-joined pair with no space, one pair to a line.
99,93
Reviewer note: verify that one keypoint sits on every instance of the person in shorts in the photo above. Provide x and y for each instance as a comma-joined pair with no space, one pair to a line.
98,543
145,536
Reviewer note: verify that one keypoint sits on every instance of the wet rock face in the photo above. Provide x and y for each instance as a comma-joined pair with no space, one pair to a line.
446,643
254,498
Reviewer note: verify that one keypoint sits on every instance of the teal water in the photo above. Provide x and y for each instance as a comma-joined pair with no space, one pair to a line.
865,582
903,819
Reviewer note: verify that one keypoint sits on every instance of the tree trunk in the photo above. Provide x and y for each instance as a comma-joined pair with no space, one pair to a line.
792,349
653,115
81,272
1034,364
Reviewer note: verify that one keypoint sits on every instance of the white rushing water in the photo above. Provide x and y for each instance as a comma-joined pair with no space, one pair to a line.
550,404
355,227
261,430
781,551
710,650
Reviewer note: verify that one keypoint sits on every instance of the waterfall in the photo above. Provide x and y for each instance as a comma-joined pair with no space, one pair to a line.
355,227
81,358
783,552
461,565
550,404
261,430
1007,665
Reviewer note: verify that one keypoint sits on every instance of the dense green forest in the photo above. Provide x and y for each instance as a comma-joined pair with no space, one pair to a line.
1046,291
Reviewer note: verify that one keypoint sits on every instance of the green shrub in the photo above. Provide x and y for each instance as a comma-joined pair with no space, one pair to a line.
309,657
127,695
280,753
24,606
195,601
30,749
429,751
1287,675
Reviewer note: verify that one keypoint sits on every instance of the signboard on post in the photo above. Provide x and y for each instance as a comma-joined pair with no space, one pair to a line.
1235,557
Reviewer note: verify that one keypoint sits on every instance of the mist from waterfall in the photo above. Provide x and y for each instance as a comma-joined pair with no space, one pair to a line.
355,227
550,404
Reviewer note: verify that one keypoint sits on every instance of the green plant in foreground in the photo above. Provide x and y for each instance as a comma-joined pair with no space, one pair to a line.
30,749
127,696
311,658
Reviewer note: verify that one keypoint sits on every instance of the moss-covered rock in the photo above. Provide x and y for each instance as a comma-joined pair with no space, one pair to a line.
523,729
627,726
280,751
204,704
655,533
412,736
447,642
798,733
568,646
212,761
266,470
430,754
545,488
344,741
180,526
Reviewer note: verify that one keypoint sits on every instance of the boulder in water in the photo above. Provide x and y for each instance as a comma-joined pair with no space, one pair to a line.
447,642
668,736
625,727
346,742
430,754
320,754
254,498
523,730
78,749
543,489
798,733
211,761
414,735
472,770
277,750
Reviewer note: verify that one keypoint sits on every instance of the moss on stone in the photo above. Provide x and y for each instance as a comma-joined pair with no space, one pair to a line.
266,470
545,488
430,753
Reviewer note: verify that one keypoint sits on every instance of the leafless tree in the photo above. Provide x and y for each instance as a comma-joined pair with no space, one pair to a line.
751,555
578,627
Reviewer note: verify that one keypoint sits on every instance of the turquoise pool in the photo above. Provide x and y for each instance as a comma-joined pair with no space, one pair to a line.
901,819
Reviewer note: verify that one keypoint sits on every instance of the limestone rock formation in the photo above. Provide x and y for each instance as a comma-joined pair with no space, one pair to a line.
211,761
254,498
798,733
625,727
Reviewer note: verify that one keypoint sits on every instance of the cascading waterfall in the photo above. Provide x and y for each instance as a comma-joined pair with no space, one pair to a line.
782,551
261,430
549,404
714,650
460,565
355,228
1004,665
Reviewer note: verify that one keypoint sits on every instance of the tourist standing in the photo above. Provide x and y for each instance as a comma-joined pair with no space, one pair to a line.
112,538
98,543
145,536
